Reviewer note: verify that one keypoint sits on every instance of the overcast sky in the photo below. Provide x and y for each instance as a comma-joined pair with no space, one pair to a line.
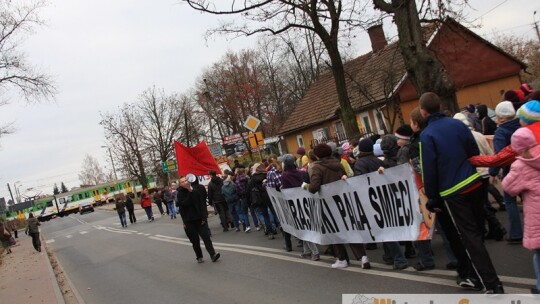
102,54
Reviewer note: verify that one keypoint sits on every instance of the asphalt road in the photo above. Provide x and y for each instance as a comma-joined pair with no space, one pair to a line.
154,263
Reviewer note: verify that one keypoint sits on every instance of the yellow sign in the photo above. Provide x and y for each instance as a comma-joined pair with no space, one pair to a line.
256,139
251,123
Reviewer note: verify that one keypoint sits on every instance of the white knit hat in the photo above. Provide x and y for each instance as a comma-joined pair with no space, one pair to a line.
505,109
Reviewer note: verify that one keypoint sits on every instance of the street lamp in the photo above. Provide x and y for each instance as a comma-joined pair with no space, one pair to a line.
17,192
114,169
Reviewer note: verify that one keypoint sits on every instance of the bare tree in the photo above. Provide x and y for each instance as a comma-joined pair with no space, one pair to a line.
425,71
125,133
324,18
16,74
91,173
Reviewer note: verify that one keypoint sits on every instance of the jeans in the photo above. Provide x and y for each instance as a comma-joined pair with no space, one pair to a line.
496,194
267,217
253,212
236,208
536,264
425,254
515,230
122,216
149,213
171,209
394,250
224,214
310,247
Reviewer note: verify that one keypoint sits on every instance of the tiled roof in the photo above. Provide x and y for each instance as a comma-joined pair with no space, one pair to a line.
370,78
365,77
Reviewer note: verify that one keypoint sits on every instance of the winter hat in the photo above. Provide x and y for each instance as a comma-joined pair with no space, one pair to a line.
288,160
523,139
505,109
529,112
301,151
460,116
365,145
404,132
322,150
470,108
377,151
346,147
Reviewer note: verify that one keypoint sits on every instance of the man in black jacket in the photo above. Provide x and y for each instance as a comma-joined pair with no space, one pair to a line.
193,215
130,208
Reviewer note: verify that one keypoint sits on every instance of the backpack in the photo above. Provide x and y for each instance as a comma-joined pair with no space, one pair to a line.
229,192
259,196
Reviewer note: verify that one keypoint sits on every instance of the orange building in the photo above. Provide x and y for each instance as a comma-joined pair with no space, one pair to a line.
382,95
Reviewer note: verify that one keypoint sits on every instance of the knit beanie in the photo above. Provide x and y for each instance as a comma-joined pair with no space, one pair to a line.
322,150
288,160
523,139
404,132
389,144
365,145
346,148
258,168
505,109
301,151
529,112
460,116
470,108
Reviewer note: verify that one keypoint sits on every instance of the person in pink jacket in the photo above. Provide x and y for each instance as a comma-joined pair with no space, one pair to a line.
524,178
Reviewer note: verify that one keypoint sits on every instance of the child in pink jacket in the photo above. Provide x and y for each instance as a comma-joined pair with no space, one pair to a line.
524,178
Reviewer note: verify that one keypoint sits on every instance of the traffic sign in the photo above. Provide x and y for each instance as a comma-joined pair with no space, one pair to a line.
169,166
256,139
252,123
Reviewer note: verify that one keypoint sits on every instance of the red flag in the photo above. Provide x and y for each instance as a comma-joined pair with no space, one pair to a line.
197,160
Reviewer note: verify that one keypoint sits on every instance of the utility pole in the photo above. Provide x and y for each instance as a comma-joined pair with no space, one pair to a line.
114,169
11,194
186,124
536,26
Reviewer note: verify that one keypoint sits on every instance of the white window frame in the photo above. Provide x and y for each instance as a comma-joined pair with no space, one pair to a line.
380,129
364,115
300,140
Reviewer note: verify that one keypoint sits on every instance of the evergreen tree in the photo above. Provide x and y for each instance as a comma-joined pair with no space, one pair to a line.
55,189
64,188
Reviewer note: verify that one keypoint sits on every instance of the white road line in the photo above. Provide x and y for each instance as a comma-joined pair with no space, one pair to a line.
395,274
83,232
69,236
49,241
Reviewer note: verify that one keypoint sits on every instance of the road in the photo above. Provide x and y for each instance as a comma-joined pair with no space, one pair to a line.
154,263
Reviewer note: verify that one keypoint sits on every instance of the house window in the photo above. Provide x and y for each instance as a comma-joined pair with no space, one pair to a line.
340,131
379,121
366,122
299,140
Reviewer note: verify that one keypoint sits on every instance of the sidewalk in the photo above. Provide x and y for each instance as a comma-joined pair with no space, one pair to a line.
26,276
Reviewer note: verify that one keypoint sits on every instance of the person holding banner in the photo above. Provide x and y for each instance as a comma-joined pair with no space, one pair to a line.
326,170
294,178
453,188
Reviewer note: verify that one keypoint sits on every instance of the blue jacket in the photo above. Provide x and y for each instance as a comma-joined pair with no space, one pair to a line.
501,139
445,146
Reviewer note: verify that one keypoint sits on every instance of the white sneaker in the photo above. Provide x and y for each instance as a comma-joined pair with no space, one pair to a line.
258,228
365,263
248,229
340,264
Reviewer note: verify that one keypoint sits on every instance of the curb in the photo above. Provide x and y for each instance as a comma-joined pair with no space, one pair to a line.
56,286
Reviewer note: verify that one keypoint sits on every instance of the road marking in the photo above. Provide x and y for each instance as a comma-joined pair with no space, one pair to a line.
69,236
83,232
49,241
391,274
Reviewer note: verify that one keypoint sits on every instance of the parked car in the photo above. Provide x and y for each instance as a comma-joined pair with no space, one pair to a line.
85,207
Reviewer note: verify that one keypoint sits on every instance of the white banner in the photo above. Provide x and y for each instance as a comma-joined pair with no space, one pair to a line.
362,209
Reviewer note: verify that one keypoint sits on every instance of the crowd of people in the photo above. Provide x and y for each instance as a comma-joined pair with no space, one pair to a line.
452,160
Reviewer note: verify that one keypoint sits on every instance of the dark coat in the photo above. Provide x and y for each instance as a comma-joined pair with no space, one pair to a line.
191,204
120,207
214,191
325,171
129,203
370,163
292,178
255,185
501,139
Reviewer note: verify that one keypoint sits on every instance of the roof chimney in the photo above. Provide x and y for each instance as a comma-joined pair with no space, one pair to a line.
376,35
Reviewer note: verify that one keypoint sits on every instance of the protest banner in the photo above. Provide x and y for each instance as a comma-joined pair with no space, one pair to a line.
362,209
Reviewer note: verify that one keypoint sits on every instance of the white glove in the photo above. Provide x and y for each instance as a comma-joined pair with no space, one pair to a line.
305,186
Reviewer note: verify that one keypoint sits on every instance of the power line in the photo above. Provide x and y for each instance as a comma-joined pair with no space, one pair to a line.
496,6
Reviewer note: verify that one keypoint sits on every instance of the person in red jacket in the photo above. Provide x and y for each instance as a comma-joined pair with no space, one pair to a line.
146,204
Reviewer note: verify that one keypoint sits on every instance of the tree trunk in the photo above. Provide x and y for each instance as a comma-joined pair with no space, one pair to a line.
425,71
345,111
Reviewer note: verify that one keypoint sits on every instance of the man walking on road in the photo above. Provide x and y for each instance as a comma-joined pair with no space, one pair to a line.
194,217
33,230
130,209
454,190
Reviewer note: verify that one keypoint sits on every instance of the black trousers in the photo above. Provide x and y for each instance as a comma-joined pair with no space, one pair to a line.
193,230
36,242
463,223
132,218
